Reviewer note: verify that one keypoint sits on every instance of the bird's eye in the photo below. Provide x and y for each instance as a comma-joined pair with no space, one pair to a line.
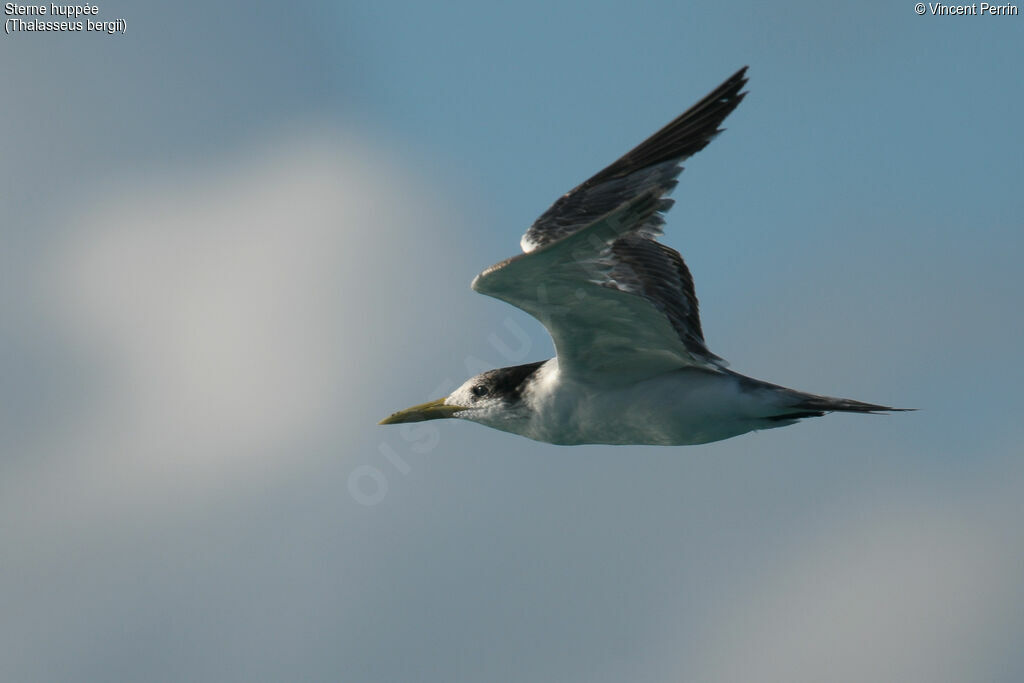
480,390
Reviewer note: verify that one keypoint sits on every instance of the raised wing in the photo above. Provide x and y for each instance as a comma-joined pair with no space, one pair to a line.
654,164
617,303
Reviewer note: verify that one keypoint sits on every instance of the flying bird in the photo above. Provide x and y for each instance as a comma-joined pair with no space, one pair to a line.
631,364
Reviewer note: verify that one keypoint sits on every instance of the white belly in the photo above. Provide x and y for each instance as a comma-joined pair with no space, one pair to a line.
688,406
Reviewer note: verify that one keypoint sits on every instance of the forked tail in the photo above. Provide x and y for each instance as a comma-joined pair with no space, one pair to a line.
810,405
786,405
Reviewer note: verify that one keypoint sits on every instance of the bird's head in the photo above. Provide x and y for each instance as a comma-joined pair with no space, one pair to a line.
495,395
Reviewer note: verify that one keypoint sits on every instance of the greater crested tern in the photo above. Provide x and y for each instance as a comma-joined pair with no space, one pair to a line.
631,365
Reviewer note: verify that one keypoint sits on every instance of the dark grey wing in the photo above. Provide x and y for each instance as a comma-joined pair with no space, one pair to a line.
653,165
659,274
634,263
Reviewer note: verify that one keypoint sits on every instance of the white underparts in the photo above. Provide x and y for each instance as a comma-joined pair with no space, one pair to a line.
686,406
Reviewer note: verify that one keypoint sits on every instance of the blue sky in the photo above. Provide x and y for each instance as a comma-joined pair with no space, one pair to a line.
238,235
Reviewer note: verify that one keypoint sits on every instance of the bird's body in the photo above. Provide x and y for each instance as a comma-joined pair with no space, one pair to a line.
632,366
682,407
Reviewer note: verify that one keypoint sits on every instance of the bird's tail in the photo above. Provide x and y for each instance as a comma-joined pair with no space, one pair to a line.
812,405
783,406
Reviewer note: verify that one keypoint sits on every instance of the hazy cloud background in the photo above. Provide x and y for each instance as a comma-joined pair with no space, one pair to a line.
237,236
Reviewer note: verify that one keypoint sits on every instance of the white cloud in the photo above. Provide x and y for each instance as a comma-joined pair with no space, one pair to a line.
227,306
225,318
